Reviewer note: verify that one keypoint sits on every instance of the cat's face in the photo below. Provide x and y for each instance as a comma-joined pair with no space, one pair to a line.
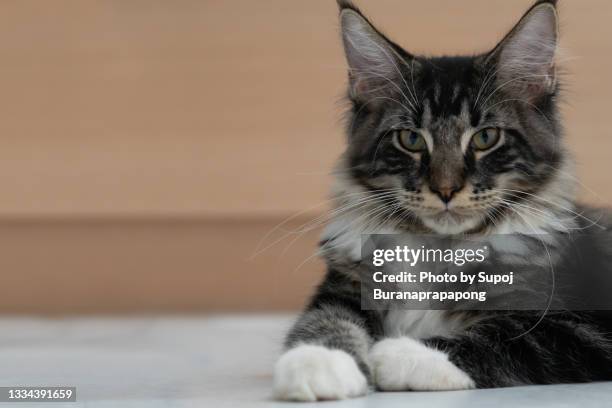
453,142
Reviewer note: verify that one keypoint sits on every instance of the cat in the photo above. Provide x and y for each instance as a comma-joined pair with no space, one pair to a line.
468,145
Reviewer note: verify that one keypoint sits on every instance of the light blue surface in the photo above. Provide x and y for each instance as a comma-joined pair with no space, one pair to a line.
206,362
579,395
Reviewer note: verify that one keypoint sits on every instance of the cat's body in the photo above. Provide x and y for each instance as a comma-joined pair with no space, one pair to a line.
449,146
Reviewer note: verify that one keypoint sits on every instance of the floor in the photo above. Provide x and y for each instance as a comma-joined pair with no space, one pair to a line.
203,362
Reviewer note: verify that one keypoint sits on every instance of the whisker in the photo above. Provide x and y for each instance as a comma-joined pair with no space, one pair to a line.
519,192
368,196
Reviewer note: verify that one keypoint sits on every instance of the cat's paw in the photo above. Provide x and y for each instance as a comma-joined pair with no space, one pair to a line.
311,373
404,364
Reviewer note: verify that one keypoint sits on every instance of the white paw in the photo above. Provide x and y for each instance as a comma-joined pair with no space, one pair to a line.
404,364
311,373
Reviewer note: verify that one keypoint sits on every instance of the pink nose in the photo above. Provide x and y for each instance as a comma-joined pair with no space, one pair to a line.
446,194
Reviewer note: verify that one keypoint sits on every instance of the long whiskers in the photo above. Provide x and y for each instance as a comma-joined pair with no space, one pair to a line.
518,193
356,200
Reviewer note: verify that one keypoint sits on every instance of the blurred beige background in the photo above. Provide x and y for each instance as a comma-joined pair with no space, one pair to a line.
148,146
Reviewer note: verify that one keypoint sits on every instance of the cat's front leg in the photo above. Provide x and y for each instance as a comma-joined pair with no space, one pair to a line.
404,364
326,356
311,373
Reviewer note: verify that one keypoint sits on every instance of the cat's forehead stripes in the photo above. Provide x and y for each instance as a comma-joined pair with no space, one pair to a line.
456,93
446,83
447,129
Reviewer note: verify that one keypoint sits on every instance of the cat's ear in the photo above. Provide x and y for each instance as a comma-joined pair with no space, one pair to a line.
525,58
374,61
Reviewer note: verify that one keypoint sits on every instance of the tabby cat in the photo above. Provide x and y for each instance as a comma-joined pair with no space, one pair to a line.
468,145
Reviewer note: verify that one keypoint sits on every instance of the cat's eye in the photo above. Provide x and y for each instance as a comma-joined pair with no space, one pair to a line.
485,139
410,140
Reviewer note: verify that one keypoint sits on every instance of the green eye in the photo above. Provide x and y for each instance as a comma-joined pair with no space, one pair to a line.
485,139
410,140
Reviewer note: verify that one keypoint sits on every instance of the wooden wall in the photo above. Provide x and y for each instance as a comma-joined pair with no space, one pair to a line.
144,143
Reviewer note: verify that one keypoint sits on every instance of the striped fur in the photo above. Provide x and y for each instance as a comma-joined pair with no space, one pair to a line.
524,184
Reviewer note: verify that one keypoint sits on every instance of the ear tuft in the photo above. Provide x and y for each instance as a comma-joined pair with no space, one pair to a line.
551,2
347,4
373,62
526,56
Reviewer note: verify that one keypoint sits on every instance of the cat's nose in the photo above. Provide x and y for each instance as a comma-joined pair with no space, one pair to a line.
446,193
